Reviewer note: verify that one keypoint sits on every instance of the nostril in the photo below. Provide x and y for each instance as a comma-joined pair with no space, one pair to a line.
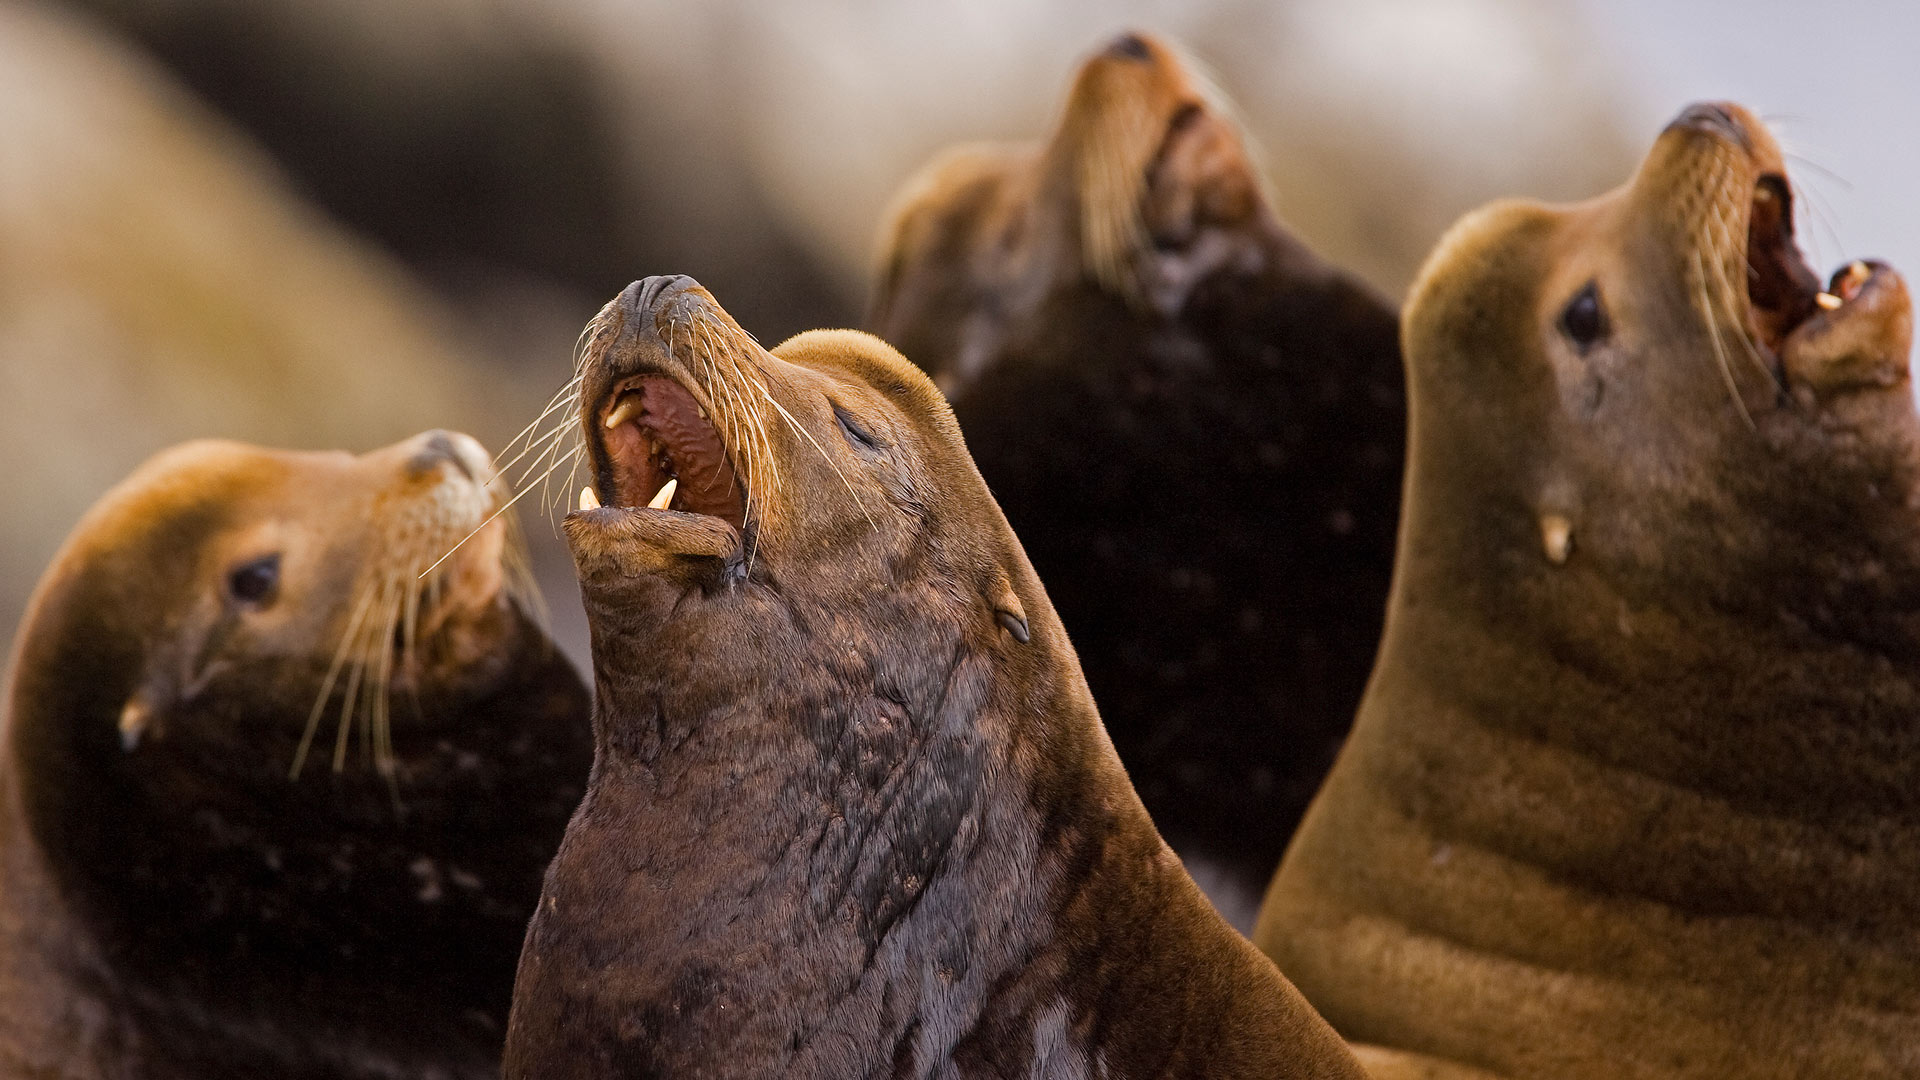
438,447
645,294
1713,118
1130,46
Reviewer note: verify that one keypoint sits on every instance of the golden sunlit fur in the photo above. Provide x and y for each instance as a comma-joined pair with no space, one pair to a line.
1145,158
1632,792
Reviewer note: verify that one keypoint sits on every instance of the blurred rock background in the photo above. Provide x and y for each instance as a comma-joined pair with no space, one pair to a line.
336,222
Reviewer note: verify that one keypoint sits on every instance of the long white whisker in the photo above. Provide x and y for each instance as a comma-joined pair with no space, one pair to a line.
347,638
1728,294
824,456
508,505
345,726
1713,333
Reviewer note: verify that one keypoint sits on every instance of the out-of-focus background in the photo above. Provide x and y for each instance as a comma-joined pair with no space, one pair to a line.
332,223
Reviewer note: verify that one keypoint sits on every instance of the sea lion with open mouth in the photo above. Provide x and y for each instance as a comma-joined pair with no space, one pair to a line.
1635,789
1194,423
271,803
852,811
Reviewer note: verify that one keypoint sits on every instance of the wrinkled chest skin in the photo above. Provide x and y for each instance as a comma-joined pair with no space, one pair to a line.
845,867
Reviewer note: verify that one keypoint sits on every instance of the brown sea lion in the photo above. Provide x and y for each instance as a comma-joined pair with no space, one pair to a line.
1194,423
271,805
852,811
1635,789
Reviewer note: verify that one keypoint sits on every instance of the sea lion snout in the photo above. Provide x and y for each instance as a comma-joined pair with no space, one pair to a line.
1128,46
432,449
644,296
1725,119
671,423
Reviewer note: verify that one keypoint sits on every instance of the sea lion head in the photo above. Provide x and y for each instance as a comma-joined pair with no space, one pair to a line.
225,581
742,494
839,727
1143,190
1652,388
1636,764
1120,319
282,758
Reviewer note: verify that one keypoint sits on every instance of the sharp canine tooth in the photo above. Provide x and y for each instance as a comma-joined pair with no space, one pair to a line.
624,410
1827,300
588,500
1857,272
664,496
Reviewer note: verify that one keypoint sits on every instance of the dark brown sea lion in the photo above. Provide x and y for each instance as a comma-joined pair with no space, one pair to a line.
172,902
1635,790
1194,423
852,811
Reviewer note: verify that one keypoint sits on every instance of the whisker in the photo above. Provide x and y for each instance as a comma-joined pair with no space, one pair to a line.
551,442
539,444
379,715
345,726
508,505
1713,333
824,456
731,414
763,451
347,638
521,585
1728,294
1820,210
567,394
551,500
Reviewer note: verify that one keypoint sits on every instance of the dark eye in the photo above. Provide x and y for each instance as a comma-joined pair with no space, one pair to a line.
855,434
1584,321
255,582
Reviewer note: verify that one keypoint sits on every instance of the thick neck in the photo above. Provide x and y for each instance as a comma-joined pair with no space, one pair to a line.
848,852
1718,761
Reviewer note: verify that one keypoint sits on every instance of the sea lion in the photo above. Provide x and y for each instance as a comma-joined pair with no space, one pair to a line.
1635,789
270,803
852,812
1195,424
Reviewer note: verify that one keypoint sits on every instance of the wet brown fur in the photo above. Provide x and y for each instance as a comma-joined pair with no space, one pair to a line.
1195,425
173,902
1644,802
843,821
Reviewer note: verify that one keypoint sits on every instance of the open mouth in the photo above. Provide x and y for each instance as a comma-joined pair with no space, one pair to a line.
664,453
1784,294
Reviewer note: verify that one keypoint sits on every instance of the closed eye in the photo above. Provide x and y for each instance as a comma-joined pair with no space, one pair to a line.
858,436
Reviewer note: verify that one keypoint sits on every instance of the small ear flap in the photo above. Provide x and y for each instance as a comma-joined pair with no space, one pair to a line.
1007,609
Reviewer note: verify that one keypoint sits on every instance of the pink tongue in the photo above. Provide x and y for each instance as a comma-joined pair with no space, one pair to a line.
707,481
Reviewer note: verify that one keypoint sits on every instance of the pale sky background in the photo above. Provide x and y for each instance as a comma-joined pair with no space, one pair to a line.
1838,84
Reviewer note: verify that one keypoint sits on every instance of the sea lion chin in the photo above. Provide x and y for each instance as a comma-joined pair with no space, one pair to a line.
275,800
852,812
1195,424
1635,787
